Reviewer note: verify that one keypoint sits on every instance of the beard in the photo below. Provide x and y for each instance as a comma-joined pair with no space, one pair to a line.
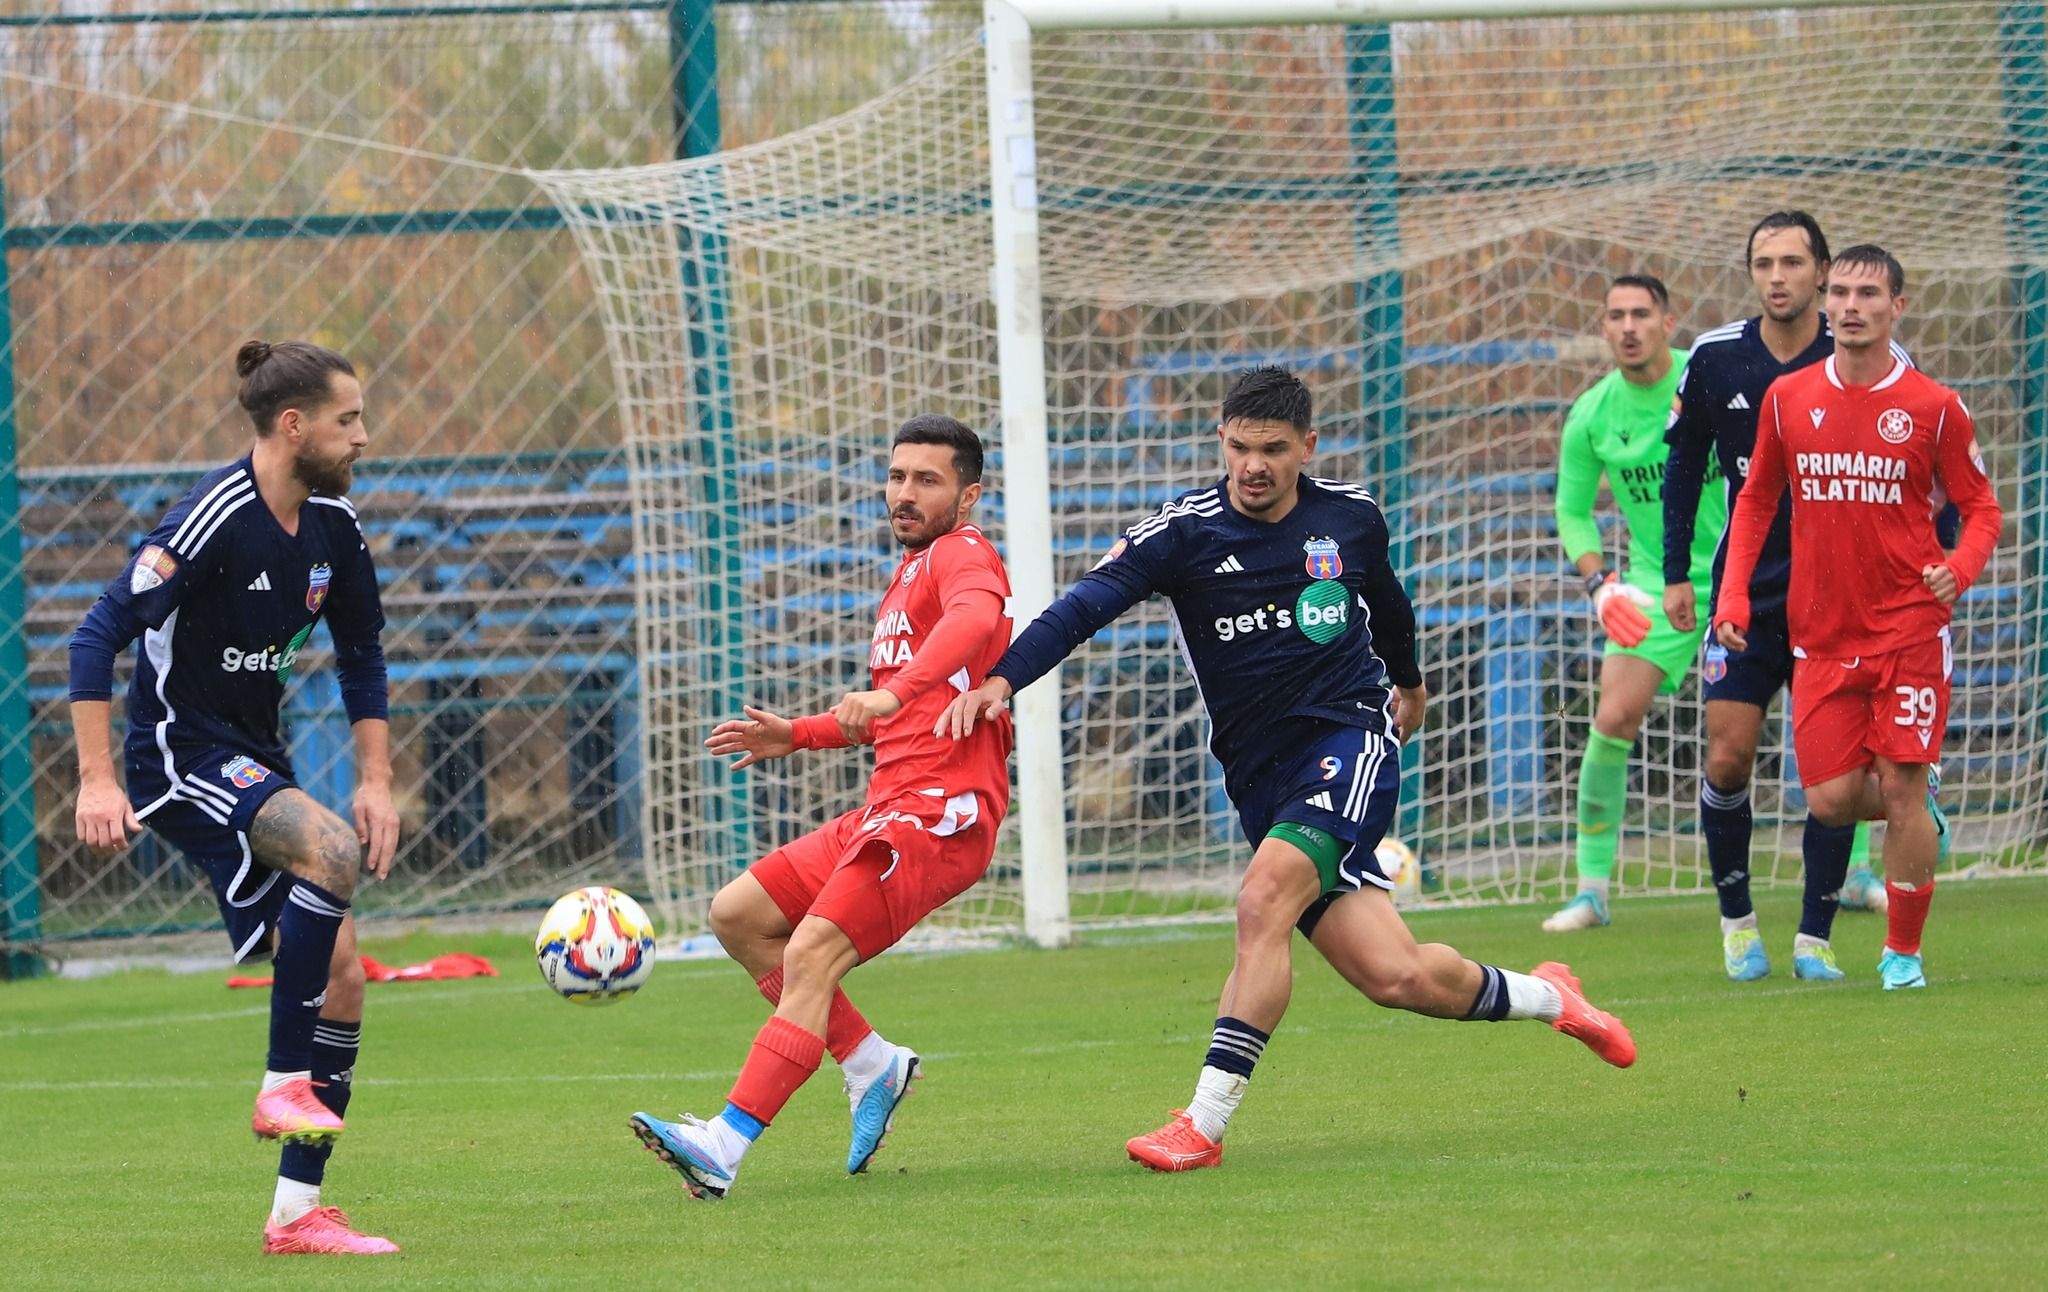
930,530
331,479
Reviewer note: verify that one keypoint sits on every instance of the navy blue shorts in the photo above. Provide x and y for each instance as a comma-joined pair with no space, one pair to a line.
202,803
1344,781
1755,674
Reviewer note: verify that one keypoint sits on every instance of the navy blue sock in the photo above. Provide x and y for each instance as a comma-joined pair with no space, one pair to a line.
1235,1047
334,1069
306,929
1491,1004
1725,820
1826,851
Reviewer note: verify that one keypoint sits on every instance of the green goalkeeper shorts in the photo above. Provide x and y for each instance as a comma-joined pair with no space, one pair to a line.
1666,647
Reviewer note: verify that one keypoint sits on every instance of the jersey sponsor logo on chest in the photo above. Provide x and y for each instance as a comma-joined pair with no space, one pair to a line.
891,649
1850,477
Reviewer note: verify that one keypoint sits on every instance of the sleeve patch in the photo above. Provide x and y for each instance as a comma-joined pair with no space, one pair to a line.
1116,550
153,565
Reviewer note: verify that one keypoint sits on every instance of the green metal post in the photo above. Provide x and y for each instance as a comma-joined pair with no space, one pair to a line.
20,882
693,60
2023,31
1383,395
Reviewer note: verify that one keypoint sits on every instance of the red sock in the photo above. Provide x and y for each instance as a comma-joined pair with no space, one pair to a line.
783,1057
845,1028
1906,916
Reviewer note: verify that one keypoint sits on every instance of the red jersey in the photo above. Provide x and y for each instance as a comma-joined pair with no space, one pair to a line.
1868,467
943,625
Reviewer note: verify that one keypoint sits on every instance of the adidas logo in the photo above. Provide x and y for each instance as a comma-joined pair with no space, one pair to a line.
1230,566
262,583
1322,801
1739,401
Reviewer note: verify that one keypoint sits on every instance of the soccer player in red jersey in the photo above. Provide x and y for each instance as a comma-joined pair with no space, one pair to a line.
807,913
1868,446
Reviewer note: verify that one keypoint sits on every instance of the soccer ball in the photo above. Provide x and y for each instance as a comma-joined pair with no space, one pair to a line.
1397,862
595,946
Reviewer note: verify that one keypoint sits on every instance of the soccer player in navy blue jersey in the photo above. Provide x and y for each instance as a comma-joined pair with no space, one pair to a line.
224,593
1716,413
1302,641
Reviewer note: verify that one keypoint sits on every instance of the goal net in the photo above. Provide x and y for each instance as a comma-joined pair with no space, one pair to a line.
1418,219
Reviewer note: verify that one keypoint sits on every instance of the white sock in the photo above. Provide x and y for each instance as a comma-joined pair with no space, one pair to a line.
1743,922
1531,997
1217,1095
1802,942
294,1199
869,1060
272,1080
1594,886
727,1144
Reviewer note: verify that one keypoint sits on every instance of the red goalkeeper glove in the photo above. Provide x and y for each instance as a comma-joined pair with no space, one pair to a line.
1620,608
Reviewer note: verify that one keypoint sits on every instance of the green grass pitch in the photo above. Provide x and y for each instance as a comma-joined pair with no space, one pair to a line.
1772,1135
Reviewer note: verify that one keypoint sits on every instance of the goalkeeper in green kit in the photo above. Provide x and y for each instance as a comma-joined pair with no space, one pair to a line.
1617,429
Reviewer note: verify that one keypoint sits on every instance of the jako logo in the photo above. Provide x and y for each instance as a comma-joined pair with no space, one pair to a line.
268,660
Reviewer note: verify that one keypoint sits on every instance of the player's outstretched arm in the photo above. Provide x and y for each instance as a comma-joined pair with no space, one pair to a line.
104,817
757,738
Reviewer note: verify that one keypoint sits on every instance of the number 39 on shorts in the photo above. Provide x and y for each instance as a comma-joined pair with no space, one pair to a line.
1916,706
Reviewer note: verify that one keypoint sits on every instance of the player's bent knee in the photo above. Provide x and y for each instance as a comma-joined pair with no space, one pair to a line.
818,951
738,914
1398,984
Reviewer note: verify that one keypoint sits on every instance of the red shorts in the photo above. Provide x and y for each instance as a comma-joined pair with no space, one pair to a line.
875,872
1893,705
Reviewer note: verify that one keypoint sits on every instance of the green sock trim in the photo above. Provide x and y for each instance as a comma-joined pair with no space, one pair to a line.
1859,847
1319,846
1603,800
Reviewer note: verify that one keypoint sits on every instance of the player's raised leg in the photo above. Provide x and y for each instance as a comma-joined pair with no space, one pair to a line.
321,853
1628,686
754,927
1366,941
298,1224
1280,881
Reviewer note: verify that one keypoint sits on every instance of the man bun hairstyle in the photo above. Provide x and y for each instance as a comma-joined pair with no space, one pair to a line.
937,428
289,374
1816,241
1270,394
1646,282
1869,254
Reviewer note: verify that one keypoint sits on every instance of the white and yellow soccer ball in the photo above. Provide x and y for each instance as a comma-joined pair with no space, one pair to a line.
595,946
1398,863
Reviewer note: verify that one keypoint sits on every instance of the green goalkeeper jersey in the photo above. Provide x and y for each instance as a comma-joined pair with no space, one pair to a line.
1617,427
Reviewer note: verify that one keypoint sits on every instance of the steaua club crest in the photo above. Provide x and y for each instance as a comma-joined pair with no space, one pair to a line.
244,772
316,586
1323,561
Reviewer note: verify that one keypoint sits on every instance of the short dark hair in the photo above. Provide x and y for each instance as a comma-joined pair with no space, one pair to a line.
1270,394
1647,282
1869,253
937,428
1816,241
290,374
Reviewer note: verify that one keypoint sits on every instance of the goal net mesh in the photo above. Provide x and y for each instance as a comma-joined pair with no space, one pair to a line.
1420,220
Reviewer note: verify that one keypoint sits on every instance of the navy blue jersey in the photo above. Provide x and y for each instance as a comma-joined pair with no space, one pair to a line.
224,600
1299,618
1718,397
